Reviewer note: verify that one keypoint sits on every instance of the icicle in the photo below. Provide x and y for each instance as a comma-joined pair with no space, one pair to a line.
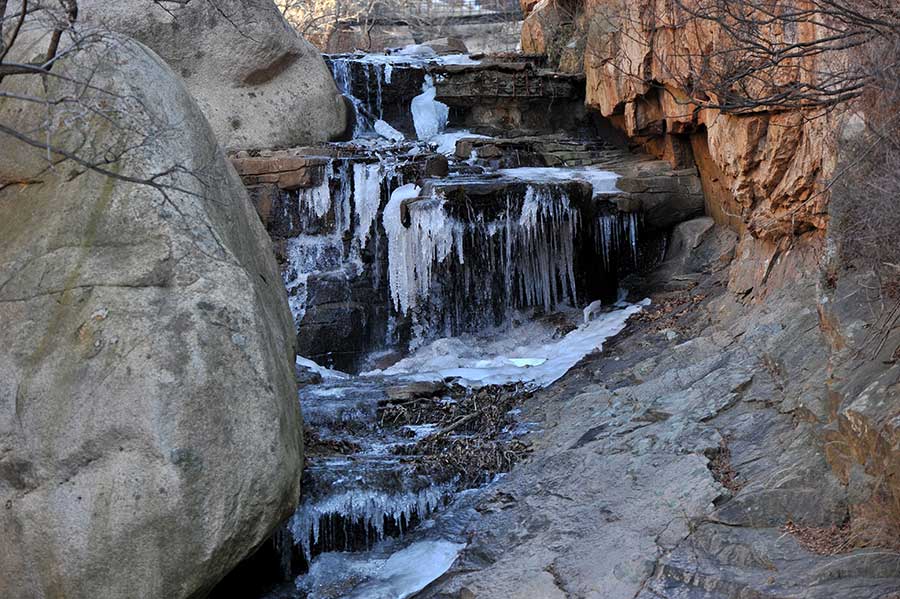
366,198
316,200
369,510
414,250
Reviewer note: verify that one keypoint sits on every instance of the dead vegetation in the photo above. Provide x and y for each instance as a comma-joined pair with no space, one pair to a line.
314,445
473,437
830,540
722,469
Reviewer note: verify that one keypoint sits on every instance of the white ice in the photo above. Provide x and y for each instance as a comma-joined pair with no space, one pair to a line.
409,570
446,142
326,373
603,182
526,354
413,251
366,198
412,55
429,115
383,129
592,310
403,574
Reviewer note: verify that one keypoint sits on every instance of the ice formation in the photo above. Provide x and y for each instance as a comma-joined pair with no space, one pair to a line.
315,200
527,354
522,260
351,191
429,115
614,233
396,575
603,182
384,129
368,510
367,180
369,74
413,250
409,570
453,267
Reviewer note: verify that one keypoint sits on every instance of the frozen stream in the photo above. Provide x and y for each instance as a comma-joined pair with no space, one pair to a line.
473,299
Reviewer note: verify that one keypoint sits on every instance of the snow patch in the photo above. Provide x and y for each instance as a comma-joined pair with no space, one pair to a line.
327,374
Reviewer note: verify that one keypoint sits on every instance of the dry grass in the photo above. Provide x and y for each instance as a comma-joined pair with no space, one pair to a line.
831,540
722,470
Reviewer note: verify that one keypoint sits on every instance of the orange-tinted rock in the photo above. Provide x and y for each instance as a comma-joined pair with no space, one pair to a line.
286,170
761,171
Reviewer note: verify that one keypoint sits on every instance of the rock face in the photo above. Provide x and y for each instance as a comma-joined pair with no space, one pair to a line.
149,428
761,171
668,466
258,82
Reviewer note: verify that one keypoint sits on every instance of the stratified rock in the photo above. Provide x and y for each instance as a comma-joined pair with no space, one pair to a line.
258,82
149,427
761,172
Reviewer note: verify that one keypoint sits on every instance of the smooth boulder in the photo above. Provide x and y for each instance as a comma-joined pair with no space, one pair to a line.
260,84
150,436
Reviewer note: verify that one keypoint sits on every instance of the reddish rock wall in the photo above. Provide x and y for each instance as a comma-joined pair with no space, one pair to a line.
761,171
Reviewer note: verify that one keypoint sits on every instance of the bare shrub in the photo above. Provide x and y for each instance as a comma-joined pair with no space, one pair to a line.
66,106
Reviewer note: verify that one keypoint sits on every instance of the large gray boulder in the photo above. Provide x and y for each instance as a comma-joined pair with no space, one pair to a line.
259,83
150,435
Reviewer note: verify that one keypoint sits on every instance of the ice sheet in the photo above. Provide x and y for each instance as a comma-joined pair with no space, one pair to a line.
401,575
603,182
325,373
527,354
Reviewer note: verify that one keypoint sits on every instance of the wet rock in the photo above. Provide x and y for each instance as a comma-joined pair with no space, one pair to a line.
306,376
437,166
513,96
289,170
415,390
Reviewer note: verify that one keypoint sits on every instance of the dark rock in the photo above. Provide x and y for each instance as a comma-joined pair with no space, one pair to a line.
437,166
416,389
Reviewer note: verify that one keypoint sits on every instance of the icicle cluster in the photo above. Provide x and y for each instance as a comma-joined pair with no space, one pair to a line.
475,272
544,264
353,193
615,234
365,512
413,251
